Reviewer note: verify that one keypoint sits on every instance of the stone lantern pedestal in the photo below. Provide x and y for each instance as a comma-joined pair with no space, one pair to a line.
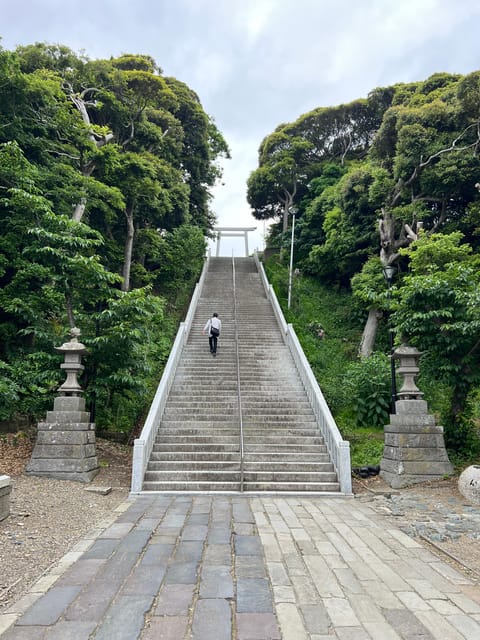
414,449
65,446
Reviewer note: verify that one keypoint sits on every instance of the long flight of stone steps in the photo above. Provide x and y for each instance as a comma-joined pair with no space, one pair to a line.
197,447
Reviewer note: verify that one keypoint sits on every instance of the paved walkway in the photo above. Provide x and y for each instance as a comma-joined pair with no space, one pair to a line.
247,568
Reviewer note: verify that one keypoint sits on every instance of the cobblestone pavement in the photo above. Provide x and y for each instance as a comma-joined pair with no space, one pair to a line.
231,567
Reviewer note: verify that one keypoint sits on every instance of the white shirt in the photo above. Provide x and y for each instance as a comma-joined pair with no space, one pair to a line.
216,322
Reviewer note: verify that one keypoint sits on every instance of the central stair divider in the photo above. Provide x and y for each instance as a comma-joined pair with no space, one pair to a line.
239,394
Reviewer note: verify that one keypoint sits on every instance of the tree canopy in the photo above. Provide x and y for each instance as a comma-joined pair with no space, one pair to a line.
106,170
388,180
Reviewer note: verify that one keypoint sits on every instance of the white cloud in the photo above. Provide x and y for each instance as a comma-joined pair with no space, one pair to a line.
257,17
210,72
372,39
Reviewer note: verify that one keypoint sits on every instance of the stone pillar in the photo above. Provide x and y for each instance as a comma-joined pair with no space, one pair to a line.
5,490
414,449
65,446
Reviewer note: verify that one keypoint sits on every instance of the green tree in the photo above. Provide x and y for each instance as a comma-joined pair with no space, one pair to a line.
349,227
297,152
202,148
105,175
172,270
272,188
369,288
439,311
427,146
123,340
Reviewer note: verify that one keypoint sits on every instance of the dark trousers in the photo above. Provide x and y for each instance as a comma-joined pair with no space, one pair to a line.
213,343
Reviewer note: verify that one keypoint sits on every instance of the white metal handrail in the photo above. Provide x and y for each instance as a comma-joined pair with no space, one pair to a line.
239,394
277,310
338,448
143,445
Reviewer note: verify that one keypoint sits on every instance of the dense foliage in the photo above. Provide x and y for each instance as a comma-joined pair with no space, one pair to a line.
391,180
328,322
105,175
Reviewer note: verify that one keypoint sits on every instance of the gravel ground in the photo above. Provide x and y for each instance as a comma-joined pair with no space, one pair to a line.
434,513
47,516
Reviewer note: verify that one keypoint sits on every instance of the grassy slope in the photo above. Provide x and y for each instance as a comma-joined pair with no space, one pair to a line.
315,307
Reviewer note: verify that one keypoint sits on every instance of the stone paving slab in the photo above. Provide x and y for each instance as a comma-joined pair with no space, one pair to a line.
228,567
48,609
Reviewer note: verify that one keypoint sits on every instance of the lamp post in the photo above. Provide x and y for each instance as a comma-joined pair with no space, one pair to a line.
388,273
293,211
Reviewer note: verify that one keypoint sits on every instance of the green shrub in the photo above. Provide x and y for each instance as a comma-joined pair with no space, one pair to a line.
8,392
367,385
463,443
366,446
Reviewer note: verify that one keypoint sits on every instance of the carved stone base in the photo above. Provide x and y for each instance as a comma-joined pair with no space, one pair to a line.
65,447
414,448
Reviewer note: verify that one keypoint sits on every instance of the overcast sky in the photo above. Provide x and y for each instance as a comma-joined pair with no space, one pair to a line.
258,63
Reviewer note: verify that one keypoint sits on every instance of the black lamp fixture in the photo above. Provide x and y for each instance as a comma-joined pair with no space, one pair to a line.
388,272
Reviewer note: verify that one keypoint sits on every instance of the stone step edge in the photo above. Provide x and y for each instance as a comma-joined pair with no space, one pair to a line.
323,494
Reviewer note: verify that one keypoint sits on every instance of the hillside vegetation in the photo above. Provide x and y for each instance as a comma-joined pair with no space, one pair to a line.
328,322
389,181
106,168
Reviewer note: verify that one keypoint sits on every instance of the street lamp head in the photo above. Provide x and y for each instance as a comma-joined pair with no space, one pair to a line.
388,272
293,210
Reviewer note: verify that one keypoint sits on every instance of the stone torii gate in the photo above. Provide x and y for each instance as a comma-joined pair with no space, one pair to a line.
233,232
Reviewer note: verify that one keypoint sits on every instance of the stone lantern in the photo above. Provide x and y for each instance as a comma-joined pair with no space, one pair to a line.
73,351
414,449
409,369
65,446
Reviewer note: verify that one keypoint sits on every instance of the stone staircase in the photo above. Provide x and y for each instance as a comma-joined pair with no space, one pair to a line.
197,447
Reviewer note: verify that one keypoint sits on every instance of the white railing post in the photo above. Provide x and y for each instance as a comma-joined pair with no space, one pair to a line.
344,467
137,465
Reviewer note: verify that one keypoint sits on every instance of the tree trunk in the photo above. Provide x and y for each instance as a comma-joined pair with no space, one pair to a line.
286,208
79,210
388,244
367,342
69,307
127,261
80,102
287,204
